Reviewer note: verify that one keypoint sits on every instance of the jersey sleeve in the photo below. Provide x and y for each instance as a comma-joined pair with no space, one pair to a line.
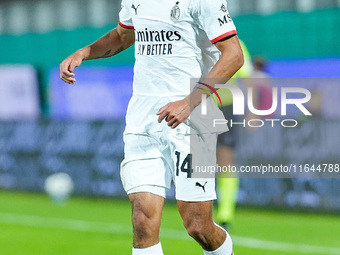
214,18
125,19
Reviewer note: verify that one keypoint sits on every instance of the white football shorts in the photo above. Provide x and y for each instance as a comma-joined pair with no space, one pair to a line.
153,161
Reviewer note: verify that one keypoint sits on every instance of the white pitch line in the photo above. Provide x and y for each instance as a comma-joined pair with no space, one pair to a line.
102,227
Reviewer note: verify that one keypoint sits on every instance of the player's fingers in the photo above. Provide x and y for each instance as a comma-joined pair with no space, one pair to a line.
68,80
175,124
64,70
171,121
162,116
66,73
72,66
163,113
64,79
72,81
160,111
177,121
64,66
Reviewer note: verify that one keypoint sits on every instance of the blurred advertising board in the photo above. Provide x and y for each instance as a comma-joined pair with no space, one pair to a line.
305,68
99,93
19,92
90,152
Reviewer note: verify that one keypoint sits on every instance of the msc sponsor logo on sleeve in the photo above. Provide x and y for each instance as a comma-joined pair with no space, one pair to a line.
225,20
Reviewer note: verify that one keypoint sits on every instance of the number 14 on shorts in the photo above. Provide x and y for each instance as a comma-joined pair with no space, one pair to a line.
186,166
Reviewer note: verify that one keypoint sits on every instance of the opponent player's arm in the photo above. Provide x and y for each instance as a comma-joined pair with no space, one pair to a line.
112,43
230,61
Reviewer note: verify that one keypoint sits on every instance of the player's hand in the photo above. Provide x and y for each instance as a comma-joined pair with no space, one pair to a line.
175,113
68,65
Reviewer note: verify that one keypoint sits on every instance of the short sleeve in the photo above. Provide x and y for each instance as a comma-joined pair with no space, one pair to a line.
125,19
214,18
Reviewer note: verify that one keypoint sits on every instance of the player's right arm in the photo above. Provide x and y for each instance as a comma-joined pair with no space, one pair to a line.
111,44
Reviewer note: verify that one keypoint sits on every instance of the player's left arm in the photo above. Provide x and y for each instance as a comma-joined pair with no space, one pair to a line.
229,63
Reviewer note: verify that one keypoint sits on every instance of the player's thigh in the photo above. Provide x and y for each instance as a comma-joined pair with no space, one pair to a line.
146,208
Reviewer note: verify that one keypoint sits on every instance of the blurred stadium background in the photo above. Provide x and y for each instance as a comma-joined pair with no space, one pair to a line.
48,127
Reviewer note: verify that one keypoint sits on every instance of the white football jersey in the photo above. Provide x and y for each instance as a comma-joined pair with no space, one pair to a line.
174,41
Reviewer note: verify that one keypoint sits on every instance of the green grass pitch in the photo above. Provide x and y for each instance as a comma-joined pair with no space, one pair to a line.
30,224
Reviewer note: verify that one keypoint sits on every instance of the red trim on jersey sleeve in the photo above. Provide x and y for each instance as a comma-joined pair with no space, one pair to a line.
125,26
233,32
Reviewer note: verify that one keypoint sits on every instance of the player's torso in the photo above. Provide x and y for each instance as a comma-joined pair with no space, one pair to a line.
168,51
168,45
